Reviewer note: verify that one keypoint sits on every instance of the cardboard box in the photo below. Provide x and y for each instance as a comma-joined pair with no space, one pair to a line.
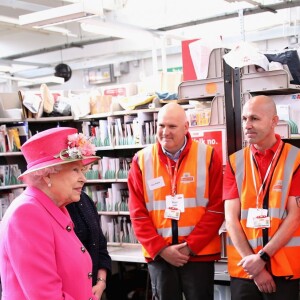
170,81
10,106
100,104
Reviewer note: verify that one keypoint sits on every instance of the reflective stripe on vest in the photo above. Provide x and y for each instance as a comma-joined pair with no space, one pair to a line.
188,202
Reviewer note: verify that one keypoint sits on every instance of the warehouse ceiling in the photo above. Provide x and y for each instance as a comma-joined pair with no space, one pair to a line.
123,30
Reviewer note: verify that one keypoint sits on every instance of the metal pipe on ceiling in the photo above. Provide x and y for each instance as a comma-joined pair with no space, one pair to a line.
246,12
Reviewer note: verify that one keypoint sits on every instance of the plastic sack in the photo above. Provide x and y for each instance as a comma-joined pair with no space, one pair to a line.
290,59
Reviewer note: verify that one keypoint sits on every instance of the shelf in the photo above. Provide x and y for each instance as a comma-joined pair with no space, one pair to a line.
136,146
11,153
9,120
268,82
49,119
113,213
119,113
197,89
14,186
113,180
37,120
122,147
295,136
104,148
133,253
125,112
128,253
82,119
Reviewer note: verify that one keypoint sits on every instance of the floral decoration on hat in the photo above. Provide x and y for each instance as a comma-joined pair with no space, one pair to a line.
78,147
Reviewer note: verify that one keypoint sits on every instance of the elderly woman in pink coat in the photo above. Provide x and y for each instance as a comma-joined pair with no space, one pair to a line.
40,255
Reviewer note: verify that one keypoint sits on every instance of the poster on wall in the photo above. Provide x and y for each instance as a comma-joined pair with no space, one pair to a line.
215,137
101,75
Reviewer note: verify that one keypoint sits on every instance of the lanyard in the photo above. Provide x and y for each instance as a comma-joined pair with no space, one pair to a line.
173,175
267,177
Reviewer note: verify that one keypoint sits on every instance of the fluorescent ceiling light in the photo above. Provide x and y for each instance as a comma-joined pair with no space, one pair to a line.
19,62
63,14
124,31
57,29
4,19
40,80
9,20
33,81
5,68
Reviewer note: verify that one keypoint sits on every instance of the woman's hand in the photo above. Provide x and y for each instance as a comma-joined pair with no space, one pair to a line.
99,288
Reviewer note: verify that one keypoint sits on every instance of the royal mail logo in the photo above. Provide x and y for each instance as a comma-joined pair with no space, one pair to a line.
278,186
296,96
186,178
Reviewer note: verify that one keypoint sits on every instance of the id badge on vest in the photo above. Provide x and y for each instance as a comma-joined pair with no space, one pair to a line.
174,206
258,218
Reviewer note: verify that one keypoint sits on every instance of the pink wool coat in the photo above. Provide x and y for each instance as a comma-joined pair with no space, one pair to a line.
40,255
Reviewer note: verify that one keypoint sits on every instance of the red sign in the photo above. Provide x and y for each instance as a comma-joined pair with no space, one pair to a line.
215,138
187,63
115,92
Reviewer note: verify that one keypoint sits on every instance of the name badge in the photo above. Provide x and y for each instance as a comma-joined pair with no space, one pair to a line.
156,183
258,218
176,201
172,213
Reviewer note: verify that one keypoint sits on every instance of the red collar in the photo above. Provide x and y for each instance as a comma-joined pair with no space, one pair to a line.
272,149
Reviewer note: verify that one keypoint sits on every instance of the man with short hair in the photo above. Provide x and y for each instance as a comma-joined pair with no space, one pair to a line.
176,209
262,209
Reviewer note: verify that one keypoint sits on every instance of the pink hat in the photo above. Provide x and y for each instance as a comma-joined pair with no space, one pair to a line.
57,146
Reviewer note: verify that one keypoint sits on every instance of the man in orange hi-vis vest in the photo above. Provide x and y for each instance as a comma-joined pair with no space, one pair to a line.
262,209
176,209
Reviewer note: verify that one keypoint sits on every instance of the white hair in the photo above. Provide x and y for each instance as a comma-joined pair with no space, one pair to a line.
35,178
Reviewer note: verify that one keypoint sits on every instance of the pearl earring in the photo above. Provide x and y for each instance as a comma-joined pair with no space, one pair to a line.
49,184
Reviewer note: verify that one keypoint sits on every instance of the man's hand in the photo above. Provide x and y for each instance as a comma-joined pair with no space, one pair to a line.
185,250
252,264
175,254
265,282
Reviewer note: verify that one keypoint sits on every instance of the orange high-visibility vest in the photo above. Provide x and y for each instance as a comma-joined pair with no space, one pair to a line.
192,182
286,261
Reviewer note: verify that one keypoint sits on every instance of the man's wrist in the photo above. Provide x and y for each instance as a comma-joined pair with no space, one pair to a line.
191,253
264,255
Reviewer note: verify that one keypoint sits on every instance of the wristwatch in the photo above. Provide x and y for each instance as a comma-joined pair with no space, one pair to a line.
264,255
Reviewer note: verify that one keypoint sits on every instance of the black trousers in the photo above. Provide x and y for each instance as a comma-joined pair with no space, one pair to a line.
195,280
246,289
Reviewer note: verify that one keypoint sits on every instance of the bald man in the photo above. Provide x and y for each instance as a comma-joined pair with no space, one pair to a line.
262,209
176,209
